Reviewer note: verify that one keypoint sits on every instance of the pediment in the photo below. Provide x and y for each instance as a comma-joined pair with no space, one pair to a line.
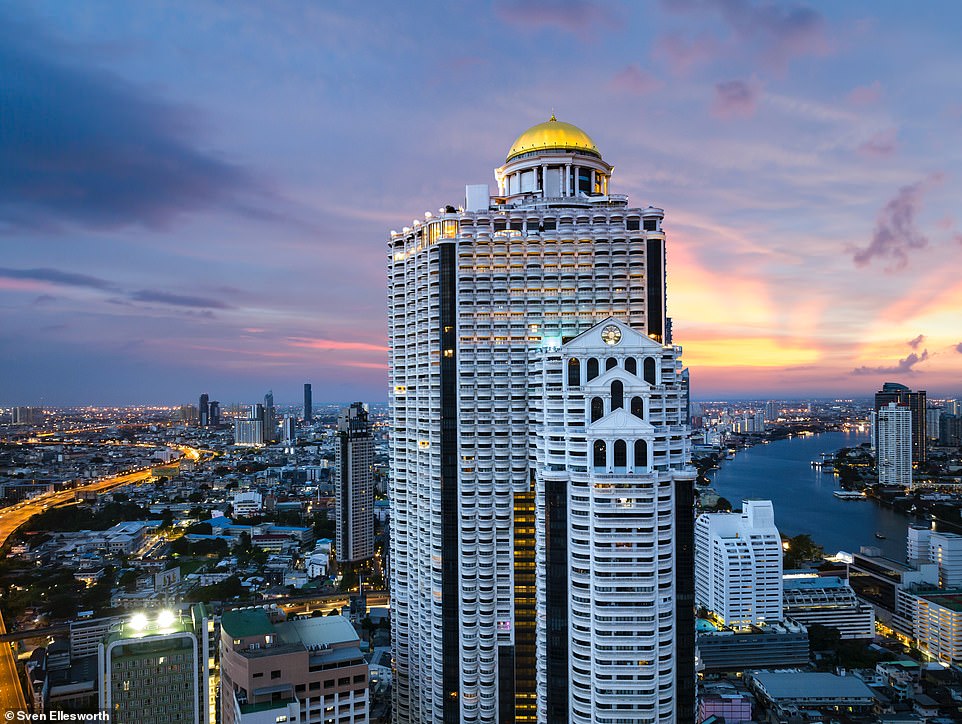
631,342
621,421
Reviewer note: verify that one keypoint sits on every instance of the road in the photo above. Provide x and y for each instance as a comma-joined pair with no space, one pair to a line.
11,695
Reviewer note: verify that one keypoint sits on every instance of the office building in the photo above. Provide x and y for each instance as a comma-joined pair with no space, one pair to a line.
915,401
828,601
935,621
289,430
214,413
893,431
203,410
950,430
155,668
354,485
540,443
738,565
188,413
308,671
249,430
733,651
308,403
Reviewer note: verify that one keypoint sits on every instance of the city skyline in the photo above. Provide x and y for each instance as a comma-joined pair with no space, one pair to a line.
198,202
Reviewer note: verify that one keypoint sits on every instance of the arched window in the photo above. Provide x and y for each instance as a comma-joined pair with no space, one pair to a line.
600,455
617,395
641,454
631,365
650,370
574,372
638,407
610,362
621,454
592,370
597,409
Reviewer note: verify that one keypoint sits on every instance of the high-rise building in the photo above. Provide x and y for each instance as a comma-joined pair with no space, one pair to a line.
893,431
915,401
354,485
203,410
27,415
249,430
541,486
270,418
924,545
309,671
155,668
738,565
214,413
289,430
308,403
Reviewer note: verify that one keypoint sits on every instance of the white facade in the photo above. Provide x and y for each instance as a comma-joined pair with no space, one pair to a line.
738,565
247,503
828,601
894,426
938,547
490,440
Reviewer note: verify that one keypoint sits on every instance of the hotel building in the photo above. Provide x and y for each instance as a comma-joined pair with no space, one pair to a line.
540,483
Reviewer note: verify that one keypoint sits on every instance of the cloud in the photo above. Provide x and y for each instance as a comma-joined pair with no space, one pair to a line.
866,95
635,80
895,231
334,344
80,145
780,31
904,366
681,54
958,348
580,17
56,277
734,99
881,145
914,343
177,300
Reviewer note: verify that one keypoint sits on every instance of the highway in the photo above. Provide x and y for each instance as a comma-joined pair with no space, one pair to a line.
11,518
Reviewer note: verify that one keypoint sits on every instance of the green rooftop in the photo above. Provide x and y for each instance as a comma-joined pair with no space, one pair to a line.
243,623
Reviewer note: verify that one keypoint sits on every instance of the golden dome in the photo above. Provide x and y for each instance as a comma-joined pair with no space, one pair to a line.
554,135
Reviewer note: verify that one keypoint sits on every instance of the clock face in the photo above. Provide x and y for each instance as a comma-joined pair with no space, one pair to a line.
611,334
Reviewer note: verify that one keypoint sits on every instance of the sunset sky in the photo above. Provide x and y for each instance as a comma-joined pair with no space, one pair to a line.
196,197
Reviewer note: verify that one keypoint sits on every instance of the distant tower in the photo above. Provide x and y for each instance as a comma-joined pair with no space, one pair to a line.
270,418
214,413
738,565
893,427
308,403
249,430
203,410
355,485
289,429
915,401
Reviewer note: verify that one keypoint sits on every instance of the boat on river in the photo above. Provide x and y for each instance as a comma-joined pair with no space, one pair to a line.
849,495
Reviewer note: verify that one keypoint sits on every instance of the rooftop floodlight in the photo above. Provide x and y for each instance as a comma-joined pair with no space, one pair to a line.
139,622
165,618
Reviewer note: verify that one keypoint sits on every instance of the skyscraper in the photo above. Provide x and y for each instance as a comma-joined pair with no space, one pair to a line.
308,403
893,429
738,565
354,486
203,410
541,488
214,413
915,401
249,430
270,418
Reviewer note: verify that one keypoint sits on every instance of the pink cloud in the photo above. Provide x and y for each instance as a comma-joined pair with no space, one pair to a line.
914,343
580,17
903,366
681,54
895,230
866,95
635,80
336,345
735,99
881,145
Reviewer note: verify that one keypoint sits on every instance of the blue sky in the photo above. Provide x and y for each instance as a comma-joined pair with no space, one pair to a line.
197,197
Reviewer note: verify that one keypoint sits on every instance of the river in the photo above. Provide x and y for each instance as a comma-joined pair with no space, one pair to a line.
802,495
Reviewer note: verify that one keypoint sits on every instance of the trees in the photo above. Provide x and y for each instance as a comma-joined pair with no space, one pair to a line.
801,549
